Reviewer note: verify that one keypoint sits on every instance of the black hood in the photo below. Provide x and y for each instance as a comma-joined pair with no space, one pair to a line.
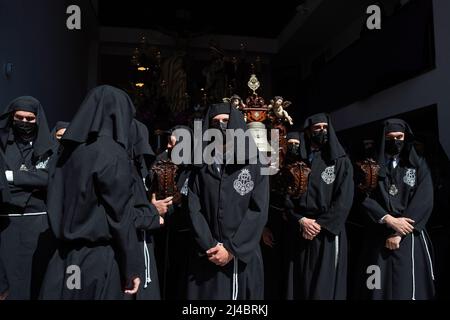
140,149
236,121
333,149
139,140
293,135
59,125
106,111
43,142
408,154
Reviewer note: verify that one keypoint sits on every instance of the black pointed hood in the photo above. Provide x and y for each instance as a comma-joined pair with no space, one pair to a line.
333,149
236,121
43,142
106,111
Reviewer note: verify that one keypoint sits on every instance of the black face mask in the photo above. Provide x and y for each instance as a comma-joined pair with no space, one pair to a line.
394,147
293,150
26,131
319,137
222,126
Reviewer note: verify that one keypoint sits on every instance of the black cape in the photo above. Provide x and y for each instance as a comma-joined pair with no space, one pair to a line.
406,273
26,241
229,207
318,268
91,204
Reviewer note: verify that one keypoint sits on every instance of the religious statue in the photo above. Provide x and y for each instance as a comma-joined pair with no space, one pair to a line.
277,106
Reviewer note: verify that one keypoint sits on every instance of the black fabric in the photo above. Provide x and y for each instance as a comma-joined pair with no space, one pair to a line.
413,198
235,122
90,201
408,153
61,125
220,213
43,142
140,148
229,206
146,216
106,111
4,285
317,269
293,135
220,108
26,242
333,149
5,194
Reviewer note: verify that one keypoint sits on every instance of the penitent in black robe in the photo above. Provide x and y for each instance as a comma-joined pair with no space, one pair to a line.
27,242
146,216
229,206
91,204
317,269
406,273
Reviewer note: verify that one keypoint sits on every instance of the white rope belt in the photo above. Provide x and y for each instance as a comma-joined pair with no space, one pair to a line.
148,278
413,270
24,214
336,257
235,280
429,255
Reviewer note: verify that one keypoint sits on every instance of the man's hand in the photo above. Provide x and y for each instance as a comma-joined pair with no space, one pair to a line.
310,228
219,255
267,238
402,226
4,295
393,242
162,205
161,221
135,282
307,236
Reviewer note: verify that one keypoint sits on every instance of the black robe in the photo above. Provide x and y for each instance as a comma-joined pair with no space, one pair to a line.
146,216
173,242
179,241
26,240
91,204
4,284
219,213
406,273
146,219
4,196
231,208
317,269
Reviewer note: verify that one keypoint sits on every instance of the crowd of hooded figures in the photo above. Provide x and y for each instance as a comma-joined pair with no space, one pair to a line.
77,219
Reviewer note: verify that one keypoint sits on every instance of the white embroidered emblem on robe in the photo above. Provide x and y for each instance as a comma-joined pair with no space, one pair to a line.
410,177
243,184
328,175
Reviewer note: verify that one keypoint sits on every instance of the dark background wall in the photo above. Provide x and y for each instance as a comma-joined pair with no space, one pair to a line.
52,63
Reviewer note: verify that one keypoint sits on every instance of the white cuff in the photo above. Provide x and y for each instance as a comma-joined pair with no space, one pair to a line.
382,220
301,222
9,176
